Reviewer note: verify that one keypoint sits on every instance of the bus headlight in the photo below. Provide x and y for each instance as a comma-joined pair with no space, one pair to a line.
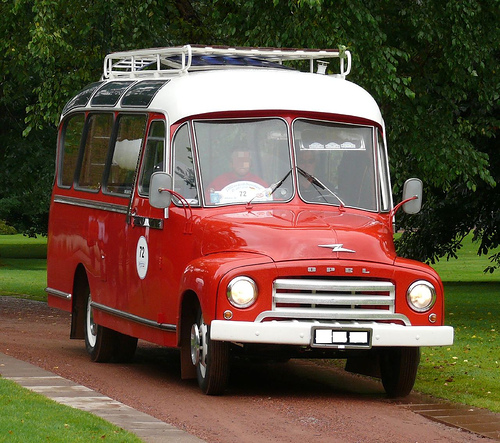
421,296
242,292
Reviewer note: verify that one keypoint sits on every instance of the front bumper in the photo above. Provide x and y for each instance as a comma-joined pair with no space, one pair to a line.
344,335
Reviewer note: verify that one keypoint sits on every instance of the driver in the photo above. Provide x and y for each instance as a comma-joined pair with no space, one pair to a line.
240,163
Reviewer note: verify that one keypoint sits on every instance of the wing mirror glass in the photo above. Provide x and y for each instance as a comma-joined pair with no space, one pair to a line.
412,196
159,190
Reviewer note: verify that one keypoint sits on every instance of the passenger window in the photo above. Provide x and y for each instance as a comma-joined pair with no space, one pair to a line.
184,175
71,139
96,149
153,155
125,154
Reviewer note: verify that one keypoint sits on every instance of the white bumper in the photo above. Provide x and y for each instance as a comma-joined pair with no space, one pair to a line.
343,335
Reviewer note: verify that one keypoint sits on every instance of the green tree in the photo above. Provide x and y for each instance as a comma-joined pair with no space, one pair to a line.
50,50
433,66
449,130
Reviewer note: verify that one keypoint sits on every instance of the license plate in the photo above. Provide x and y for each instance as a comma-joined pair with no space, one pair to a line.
341,338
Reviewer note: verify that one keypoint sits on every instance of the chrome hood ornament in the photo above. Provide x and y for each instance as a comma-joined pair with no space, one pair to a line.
337,247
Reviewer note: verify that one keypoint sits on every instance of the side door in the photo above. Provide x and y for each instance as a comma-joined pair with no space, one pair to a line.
160,246
146,231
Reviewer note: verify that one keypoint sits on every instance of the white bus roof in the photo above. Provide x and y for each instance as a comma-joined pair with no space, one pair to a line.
205,92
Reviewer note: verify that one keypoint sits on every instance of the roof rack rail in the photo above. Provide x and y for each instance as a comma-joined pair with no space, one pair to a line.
159,62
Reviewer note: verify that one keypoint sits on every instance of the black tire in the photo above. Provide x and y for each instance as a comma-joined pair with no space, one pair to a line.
211,359
398,368
124,348
99,340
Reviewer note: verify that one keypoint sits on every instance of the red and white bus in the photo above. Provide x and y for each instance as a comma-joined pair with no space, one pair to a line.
217,201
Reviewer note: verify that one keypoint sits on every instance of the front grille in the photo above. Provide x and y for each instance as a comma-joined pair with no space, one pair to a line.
328,300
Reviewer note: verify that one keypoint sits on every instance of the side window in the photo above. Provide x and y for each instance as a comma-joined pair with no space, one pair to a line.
184,175
70,147
96,149
153,155
130,133
385,184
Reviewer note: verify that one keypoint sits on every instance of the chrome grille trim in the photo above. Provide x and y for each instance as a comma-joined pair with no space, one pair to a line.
321,299
330,314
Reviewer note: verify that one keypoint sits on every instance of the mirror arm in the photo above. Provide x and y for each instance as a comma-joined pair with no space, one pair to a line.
185,205
399,205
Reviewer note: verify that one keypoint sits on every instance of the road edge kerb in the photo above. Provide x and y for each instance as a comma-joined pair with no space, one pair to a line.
479,421
66,392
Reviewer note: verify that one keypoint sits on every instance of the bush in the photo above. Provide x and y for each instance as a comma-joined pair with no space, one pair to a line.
5,229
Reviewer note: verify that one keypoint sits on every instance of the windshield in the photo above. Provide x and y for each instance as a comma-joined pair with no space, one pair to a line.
335,164
241,160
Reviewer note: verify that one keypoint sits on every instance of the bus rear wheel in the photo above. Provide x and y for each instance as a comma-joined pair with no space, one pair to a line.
398,367
211,358
104,344
98,339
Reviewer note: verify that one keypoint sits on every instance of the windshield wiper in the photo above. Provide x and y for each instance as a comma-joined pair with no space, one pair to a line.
316,182
311,178
278,184
273,187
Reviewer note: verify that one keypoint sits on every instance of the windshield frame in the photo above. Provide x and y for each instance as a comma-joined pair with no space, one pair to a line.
380,186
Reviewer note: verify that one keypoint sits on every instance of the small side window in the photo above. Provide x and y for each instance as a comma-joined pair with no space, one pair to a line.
184,170
385,184
70,147
153,155
82,98
130,133
142,93
97,140
110,93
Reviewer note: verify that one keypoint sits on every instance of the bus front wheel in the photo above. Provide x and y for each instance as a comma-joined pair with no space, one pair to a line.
398,368
211,358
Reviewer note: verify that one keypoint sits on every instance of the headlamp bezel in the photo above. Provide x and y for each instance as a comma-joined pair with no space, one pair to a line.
232,289
410,296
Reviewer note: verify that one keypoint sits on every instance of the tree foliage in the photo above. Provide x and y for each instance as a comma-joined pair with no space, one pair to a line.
50,50
433,66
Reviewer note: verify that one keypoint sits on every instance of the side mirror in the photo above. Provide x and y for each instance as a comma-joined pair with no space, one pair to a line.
159,186
412,188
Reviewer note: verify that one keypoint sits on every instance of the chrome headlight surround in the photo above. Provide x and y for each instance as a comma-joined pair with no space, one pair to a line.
242,292
421,296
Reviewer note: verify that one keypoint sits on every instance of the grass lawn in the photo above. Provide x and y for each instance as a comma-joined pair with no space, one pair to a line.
468,267
28,416
23,266
467,372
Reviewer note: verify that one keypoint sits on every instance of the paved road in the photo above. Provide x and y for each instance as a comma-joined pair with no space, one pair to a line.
280,403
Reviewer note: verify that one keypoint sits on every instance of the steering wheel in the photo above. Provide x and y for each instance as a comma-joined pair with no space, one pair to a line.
242,187
242,192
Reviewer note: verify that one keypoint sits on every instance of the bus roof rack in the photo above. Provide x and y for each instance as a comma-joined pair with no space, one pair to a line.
166,62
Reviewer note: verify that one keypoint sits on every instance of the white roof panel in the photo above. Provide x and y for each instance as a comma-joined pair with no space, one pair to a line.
203,92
